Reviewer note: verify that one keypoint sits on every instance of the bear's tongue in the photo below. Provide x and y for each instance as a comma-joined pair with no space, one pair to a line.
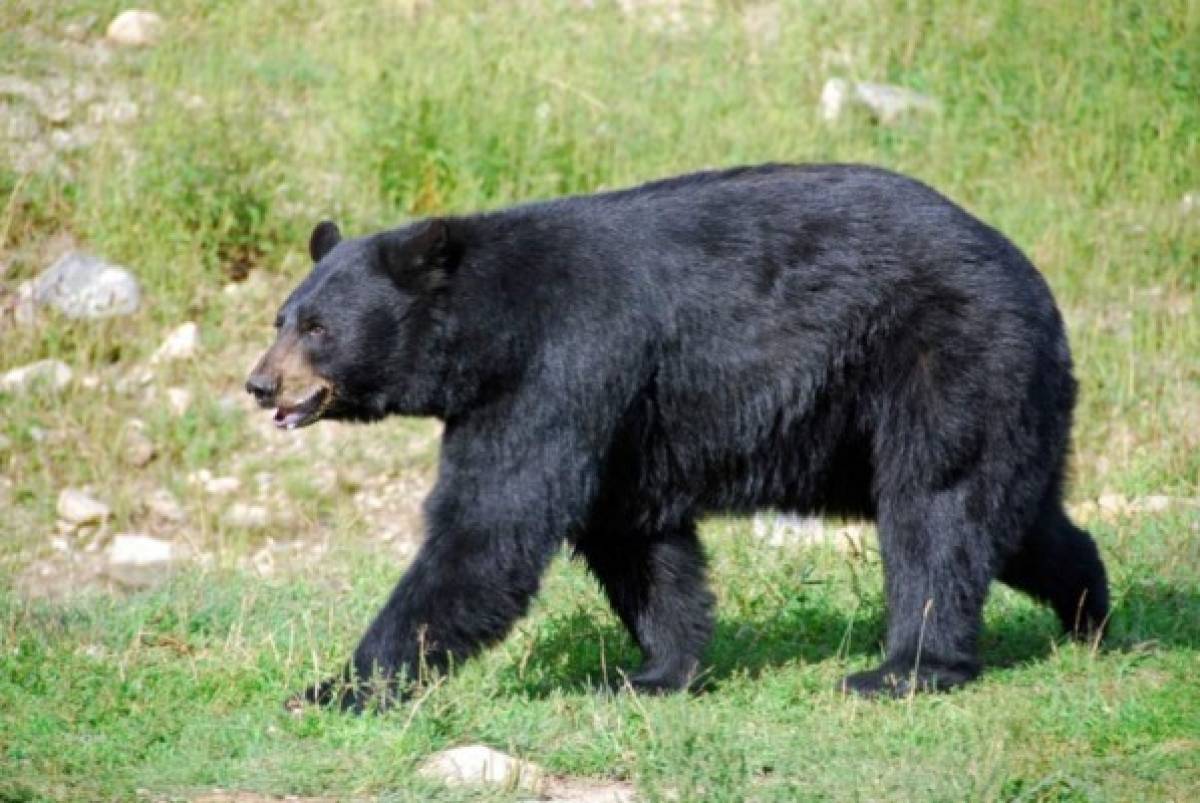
288,417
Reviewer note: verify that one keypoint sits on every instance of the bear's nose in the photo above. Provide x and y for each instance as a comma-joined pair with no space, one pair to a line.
262,387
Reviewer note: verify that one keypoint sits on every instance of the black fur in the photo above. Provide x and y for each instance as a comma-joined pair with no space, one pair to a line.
612,367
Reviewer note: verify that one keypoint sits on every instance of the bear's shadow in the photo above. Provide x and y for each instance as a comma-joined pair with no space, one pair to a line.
582,651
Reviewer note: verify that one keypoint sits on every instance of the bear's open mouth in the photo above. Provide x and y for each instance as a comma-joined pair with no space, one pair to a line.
304,412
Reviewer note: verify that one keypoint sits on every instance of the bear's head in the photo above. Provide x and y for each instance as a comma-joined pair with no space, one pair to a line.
363,336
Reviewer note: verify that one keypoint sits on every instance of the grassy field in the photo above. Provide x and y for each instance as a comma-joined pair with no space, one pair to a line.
1073,127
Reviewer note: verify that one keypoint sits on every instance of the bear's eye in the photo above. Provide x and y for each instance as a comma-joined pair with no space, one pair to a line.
313,330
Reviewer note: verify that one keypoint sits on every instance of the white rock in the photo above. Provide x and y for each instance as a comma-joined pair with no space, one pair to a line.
78,508
1112,504
890,103
250,517
179,345
133,549
163,505
82,286
781,529
25,308
137,448
887,103
478,764
1189,203
834,97
219,486
116,111
1156,503
179,400
134,28
52,374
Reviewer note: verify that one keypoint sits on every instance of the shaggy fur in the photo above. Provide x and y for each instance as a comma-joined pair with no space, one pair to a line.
611,367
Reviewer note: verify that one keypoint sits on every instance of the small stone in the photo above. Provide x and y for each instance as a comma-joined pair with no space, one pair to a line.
220,486
179,345
761,23
249,517
1189,203
116,111
78,29
163,505
25,307
1156,503
133,549
834,97
887,103
83,286
18,123
57,111
68,140
134,28
179,400
77,508
479,765
1112,504
782,529
43,374
137,449
890,103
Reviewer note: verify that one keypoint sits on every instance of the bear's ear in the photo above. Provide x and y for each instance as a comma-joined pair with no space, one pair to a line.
324,237
420,257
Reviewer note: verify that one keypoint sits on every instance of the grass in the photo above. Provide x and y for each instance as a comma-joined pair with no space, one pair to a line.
1072,127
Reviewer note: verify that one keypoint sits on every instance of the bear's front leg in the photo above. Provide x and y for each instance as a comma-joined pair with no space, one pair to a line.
493,526
463,592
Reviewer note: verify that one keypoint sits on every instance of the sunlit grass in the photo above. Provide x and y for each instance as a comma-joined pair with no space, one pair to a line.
1072,127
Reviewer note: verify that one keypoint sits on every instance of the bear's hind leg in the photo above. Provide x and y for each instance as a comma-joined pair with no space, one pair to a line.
937,567
1058,563
656,583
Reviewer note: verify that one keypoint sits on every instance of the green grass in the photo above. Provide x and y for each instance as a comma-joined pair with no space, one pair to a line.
1073,127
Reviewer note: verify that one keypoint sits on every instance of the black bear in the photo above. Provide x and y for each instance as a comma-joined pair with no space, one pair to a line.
609,368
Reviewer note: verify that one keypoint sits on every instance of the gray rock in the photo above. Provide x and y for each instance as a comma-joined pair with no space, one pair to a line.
51,374
135,28
77,508
83,286
886,103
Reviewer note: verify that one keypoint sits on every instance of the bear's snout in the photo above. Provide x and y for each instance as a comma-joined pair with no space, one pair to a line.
263,388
